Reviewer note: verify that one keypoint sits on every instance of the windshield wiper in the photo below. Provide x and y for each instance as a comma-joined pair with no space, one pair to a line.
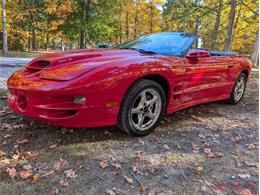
144,51
139,50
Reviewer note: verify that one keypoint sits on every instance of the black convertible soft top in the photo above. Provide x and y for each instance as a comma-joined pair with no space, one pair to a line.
220,53
223,53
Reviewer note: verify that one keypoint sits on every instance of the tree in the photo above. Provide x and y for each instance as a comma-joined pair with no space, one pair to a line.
254,56
56,13
5,46
228,41
217,24
43,24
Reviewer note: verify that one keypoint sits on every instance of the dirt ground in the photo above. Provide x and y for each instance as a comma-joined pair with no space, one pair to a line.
207,149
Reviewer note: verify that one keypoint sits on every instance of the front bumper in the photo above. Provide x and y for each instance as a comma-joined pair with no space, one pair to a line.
60,109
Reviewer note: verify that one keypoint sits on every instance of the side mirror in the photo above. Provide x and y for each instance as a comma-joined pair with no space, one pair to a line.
197,53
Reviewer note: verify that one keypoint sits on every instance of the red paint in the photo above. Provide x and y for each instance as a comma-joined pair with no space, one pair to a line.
45,88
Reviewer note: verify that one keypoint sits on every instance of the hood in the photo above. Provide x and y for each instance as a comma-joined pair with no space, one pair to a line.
69,65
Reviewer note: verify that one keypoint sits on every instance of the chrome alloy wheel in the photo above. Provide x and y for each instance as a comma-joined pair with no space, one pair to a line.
239,88
146,109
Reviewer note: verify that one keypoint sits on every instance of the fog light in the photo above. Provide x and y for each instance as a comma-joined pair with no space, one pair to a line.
79,100
22,102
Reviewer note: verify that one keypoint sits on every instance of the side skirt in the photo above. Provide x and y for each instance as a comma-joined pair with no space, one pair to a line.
197,102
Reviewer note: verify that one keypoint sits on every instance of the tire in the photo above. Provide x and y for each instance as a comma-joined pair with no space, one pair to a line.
234,97
142,108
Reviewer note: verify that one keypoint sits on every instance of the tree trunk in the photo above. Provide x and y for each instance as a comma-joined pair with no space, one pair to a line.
228,41
29,43
151,16
34,40
217,24
197,26
82,39
47,41
127,25
196,31
120,35
5,46
82,34
135,23
255,54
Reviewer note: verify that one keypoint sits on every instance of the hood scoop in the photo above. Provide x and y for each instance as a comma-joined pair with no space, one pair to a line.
39,65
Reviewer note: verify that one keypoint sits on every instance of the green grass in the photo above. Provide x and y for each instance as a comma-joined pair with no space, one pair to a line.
25,54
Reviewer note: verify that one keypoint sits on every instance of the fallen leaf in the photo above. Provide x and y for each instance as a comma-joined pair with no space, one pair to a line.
219,154
110,192
236,138
15,156
7,126
25,174
238,164
107,133
250,163
70,173
215,155
16,146
22,141
64,183
33,154
56,166
166,147
250,146
64,130
27,167
139,154
195,148
207,150
201,136
7,136
140,141
5,161
199,170
150,193
244,176
128,180
11,172
2,153
116,165
36,177
142,189
3,143
53,146
55,191
103,164
3,113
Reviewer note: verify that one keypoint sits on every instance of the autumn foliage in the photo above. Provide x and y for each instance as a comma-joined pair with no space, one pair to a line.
70,24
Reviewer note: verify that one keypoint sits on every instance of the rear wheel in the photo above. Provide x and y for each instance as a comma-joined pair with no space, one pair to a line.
238,90
142,108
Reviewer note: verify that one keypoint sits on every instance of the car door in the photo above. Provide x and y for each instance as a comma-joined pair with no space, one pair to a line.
177,77
207,79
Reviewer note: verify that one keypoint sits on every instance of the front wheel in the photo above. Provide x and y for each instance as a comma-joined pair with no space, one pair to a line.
142,108
238,90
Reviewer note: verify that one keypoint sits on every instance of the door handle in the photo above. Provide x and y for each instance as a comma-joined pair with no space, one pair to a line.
231,66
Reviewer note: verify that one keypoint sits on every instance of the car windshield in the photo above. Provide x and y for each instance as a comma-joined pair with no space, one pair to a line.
169,43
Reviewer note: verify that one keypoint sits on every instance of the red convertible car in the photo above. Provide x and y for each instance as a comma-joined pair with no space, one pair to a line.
131,86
